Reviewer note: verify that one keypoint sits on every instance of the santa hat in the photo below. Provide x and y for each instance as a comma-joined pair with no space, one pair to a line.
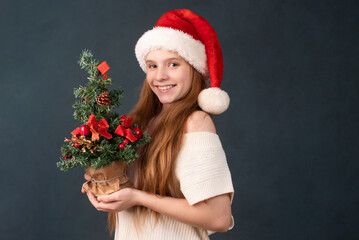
194,39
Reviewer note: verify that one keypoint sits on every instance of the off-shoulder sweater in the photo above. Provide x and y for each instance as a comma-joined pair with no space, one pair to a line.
203,172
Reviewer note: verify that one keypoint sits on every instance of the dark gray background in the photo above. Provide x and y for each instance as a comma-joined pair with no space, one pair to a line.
290,134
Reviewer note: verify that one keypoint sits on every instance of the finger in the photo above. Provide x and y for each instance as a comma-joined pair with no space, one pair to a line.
108,207
87,177
105,198
83,190
113,197
93,199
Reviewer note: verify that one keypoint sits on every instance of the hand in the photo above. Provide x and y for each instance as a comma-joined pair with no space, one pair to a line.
115,202
88,178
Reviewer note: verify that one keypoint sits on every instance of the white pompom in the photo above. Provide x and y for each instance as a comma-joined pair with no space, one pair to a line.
213,100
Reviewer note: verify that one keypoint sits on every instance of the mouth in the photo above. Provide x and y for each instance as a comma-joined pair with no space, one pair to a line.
165,88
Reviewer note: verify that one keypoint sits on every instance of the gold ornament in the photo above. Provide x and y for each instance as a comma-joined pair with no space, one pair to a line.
82,141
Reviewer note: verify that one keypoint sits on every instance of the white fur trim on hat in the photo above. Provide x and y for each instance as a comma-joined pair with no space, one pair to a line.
192,50
213,100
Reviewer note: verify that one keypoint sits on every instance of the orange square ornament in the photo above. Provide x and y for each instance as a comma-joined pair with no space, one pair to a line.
103,67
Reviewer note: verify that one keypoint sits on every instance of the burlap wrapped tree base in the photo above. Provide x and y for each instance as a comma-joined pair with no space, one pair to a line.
108,179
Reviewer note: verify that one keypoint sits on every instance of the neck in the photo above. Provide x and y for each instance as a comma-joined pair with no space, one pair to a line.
165,107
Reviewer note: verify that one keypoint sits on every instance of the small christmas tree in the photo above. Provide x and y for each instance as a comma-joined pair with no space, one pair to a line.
104,137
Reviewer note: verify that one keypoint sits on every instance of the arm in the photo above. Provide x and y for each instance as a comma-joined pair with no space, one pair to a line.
212,214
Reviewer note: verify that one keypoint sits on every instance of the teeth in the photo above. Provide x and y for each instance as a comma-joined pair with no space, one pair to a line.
165,87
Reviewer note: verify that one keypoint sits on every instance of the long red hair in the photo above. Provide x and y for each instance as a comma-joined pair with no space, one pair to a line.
156,164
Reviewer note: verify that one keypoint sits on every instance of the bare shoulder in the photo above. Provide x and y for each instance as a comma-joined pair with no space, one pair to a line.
200,121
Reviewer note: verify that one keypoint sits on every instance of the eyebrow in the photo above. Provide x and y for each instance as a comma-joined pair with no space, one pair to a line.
168,59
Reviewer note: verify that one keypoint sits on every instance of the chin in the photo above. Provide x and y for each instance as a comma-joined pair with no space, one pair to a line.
165,100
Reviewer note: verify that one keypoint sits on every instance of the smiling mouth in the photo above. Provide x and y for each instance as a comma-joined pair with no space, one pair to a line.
165,88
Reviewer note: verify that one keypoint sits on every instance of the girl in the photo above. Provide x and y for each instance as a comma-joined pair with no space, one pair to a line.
183,187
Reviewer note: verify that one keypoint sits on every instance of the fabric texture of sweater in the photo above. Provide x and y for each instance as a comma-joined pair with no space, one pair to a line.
203,172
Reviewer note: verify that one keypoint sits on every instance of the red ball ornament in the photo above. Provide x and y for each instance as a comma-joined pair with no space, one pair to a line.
77,145
67,156
121,146
85,130
125,141
137,132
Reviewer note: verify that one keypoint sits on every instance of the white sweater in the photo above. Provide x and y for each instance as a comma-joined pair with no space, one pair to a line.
203,172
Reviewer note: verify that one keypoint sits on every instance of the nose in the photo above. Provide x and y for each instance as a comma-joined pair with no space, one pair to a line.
161,74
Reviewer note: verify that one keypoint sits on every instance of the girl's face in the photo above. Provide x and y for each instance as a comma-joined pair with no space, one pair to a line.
169,75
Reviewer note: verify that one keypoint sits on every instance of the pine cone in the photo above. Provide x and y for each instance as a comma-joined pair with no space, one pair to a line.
104,99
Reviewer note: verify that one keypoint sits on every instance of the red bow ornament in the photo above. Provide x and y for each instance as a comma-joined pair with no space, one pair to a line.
124,129
76,132
98,128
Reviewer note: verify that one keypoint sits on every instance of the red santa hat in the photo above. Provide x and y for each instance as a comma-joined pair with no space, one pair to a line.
194,39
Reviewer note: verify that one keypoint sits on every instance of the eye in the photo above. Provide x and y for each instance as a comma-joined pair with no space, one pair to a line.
173,64
151,66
